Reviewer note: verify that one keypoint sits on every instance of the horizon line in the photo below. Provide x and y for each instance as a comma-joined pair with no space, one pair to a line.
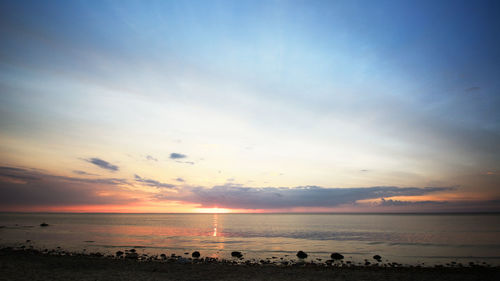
266,213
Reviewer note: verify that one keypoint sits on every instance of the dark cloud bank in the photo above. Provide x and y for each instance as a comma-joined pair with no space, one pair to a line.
282,198
240,197
30,187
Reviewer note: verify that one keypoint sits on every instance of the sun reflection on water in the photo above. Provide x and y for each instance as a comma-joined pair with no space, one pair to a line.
215,225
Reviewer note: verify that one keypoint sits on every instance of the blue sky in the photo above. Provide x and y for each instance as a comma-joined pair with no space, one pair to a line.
342,94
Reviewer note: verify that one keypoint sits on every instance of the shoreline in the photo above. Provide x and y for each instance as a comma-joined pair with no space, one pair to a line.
247,257
29,264
290,259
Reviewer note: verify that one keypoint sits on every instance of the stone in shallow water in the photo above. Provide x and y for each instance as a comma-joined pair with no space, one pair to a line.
132,255
236,254
301,255
337,256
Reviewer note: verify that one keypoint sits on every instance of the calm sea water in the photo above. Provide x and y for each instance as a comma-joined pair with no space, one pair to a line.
409,239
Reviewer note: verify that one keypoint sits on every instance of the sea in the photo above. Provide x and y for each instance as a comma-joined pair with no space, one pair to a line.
409,239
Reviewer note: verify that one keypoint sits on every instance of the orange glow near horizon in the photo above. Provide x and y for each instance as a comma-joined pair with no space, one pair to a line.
214,210
144,206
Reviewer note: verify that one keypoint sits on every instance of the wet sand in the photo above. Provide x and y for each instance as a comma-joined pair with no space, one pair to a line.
34,265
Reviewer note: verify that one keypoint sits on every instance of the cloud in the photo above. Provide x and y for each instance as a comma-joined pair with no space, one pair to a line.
102,164
180,179
440,206
150,182
31,175
29,187
240,197
106,181
83,173
151,158
17,174
177,156
186,162
391,202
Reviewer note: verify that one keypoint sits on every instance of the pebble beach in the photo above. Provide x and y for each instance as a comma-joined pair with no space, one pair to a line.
30,264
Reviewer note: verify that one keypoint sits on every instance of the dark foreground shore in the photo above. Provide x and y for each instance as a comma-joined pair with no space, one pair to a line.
34,265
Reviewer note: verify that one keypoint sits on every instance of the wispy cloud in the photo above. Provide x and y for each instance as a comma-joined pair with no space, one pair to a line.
186,162
31,175
106,181
180,179
151,158
391,202
13,173
150,182
83,173
102,164
177,156
492,205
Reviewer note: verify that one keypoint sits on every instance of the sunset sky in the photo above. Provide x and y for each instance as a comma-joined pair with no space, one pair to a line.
250,106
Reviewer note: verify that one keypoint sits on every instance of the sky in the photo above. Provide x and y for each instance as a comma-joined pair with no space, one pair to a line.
250,106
